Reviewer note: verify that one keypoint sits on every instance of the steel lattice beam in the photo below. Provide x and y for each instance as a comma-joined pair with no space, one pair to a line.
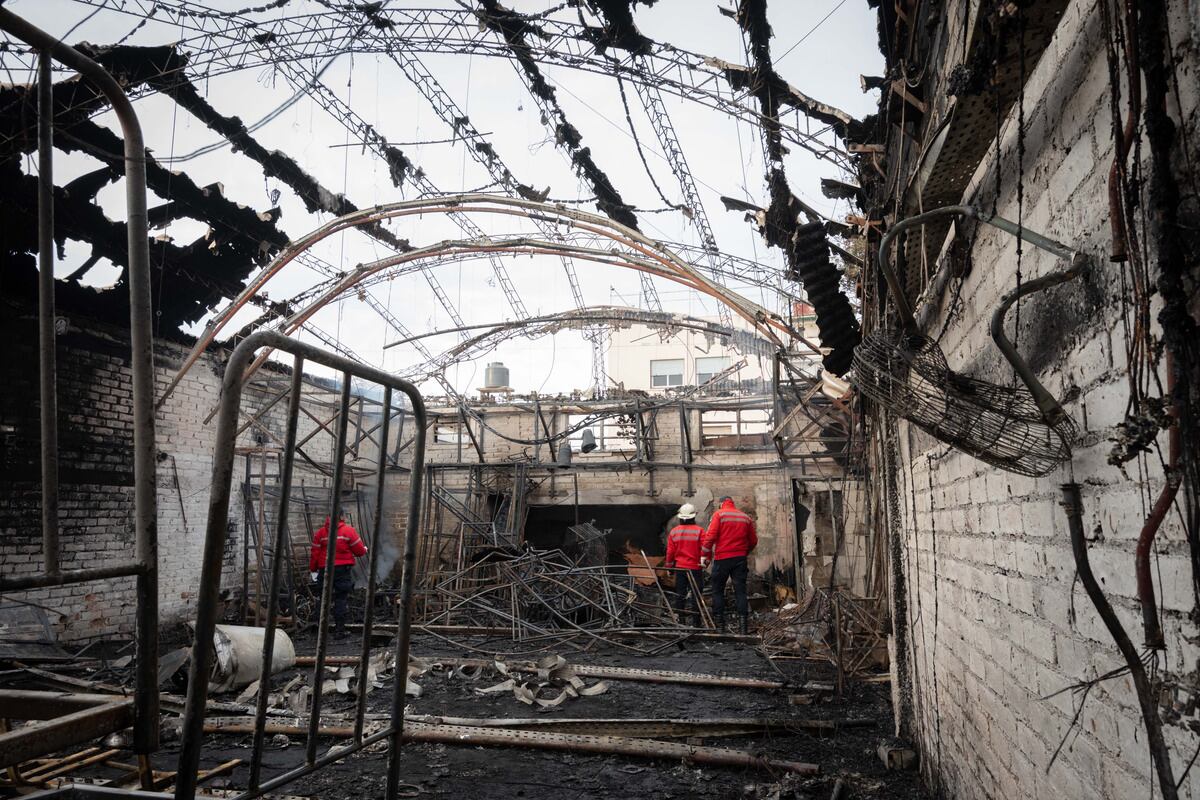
669,142
220,43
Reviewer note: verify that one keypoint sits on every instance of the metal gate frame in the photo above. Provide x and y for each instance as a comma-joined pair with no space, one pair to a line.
144,566
236,376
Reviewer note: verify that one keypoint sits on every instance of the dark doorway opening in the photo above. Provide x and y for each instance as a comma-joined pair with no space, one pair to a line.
643,525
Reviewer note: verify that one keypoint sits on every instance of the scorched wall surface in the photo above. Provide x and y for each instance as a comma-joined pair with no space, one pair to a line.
998,628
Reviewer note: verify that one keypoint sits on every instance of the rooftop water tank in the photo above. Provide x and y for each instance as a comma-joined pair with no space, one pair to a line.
495,374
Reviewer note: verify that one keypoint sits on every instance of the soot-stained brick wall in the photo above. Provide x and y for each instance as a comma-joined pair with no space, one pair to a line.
997,625
96,473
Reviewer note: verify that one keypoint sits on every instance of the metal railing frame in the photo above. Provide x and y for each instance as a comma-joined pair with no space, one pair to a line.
214,547
145,566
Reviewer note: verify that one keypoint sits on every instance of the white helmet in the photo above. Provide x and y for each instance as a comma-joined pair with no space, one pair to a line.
687,511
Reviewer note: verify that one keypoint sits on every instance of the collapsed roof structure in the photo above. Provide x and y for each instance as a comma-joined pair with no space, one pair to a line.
939,402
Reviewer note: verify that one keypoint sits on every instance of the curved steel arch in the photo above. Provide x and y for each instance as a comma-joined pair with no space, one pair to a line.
525,246
535,327
753,273
649,256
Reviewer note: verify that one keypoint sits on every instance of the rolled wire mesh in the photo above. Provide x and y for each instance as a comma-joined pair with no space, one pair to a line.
1000,425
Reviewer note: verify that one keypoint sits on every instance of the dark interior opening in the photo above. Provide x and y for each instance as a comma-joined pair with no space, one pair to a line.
644,525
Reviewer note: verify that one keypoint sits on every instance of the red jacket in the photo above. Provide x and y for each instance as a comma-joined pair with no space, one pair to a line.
683,546
730,533
348,547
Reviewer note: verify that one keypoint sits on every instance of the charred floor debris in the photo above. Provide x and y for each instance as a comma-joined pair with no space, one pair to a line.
961,409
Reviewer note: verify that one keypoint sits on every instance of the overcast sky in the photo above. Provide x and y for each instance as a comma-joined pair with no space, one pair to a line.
837,43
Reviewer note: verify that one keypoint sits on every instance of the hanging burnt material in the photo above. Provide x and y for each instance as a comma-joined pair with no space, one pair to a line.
516,29
75,99
807,253
769,87
200,274
619,28
806,247
279,165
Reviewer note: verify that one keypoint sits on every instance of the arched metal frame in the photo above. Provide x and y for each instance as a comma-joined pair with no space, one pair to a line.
535,327
648,256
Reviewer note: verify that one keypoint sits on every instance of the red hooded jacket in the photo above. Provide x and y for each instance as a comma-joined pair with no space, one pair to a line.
683,546
348,547
730,533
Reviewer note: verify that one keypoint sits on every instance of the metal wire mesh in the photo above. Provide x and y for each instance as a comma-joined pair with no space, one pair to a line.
1000,425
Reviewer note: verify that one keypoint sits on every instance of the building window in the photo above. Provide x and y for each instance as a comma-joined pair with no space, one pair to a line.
735,429
611,434
668,372
448,432
708,366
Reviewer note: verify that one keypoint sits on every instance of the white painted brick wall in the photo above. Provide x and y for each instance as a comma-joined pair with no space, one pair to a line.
1012,626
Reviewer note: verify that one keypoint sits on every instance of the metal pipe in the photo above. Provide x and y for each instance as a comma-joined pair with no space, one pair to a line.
407,581
673,266
281,542
1151,626
46,336
1052,410
901,300
1073,506
214,544
332,523
369,615
18,583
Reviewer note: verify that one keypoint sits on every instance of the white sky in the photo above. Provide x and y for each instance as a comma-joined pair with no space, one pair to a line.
725,158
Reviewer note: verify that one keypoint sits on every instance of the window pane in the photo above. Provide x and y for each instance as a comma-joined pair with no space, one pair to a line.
668,366
711,364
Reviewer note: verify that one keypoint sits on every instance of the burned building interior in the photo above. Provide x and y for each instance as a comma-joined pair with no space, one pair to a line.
517,291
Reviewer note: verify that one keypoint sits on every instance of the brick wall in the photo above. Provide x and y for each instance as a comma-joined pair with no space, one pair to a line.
997,628
96,473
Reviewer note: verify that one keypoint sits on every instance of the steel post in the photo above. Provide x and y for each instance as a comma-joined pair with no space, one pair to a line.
46,336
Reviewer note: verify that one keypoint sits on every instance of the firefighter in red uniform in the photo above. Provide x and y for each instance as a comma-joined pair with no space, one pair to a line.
730,537
683,552
348,547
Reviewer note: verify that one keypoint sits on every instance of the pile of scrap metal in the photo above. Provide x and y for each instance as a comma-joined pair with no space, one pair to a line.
535,599
833,627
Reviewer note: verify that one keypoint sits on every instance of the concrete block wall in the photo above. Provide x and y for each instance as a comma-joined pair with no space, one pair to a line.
755,478
998,628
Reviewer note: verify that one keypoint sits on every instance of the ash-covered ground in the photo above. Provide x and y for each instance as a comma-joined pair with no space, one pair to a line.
440,770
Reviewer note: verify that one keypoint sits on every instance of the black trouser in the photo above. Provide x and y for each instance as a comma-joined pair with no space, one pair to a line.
343,584
724,569
683,589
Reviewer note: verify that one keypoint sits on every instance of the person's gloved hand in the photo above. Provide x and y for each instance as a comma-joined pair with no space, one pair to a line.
704,560
313,576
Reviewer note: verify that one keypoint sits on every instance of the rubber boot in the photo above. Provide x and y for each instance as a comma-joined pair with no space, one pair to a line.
720,623
745,624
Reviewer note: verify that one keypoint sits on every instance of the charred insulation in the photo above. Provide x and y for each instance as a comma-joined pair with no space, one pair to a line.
516,30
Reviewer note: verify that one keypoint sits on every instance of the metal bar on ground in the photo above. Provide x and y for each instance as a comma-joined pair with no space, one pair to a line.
473,736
